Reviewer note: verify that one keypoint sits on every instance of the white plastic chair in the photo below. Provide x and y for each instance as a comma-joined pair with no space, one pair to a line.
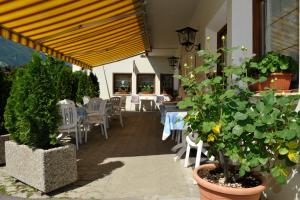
190,141
86,100
116,108
96,114
123,103
135,99
69,120
159,100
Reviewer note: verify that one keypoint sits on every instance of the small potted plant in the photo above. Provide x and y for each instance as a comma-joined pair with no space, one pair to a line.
248,137
34,155
5,85
278,70
147,89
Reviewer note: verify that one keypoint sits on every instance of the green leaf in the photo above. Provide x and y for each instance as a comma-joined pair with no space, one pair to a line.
263,161
237,130
217,79
259,135
240,116
185,103
207,126
283,151
250,128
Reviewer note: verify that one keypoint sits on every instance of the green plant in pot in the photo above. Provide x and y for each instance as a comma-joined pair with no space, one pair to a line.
277,68
248,136
147,88
32,119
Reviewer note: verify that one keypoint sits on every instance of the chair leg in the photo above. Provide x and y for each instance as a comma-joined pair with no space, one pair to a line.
76,138
121,120
105,130
85,134
102,130
173,134
79,133
178,133
187,155
198,156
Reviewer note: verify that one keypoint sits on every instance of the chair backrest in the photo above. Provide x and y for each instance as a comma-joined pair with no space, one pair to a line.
115,101
135,99
86,100
102,108
93,105
123,102
68,113
160,99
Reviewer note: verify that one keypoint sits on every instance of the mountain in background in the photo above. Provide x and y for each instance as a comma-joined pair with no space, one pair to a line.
13,54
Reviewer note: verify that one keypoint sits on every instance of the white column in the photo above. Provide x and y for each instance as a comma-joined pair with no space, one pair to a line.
239,28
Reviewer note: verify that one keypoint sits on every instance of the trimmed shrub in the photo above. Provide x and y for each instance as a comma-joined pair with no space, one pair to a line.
95,85
83,84
31,114
5,85
62,77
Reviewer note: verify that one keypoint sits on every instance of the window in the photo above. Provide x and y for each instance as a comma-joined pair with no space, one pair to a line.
282,27
122,83
146,83
166,84
276,28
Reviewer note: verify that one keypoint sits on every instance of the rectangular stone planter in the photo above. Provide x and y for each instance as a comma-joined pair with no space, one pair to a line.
45,170
3,138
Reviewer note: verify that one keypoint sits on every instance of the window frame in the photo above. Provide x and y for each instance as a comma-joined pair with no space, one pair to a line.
113,83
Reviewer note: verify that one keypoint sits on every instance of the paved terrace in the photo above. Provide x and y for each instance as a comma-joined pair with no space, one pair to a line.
134,163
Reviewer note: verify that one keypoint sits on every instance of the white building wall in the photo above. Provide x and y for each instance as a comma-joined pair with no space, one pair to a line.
144,65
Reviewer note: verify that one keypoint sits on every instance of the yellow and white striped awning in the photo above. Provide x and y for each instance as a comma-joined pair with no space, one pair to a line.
87,33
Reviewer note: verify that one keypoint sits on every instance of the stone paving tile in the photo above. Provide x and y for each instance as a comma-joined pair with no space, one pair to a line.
134,164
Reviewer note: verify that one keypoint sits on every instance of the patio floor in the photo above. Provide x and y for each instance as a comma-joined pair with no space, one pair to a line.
134,163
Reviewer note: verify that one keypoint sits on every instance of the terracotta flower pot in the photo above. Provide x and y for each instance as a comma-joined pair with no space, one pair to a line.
278,81
210,191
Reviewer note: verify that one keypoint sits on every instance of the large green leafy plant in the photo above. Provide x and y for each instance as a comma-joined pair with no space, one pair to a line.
31,114
255,132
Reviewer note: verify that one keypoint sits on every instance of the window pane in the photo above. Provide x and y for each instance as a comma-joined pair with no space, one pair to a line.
145,83
282,27
122,83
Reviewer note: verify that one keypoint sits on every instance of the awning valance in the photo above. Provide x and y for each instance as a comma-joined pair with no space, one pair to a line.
87,33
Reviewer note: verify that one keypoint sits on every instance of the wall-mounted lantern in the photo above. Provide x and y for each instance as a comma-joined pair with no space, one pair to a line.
187,38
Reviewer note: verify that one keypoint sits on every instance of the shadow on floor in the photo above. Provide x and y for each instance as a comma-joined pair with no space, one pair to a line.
141,136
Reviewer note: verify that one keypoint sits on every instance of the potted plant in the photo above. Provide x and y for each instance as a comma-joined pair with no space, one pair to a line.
147,89
248,137
278,70
34,155
5,84
124,87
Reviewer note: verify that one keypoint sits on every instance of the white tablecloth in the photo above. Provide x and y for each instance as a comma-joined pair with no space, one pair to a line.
173,121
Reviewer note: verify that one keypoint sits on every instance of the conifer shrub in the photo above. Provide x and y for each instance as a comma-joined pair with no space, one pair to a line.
62,77
5,85
31,114
82,85
95,85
